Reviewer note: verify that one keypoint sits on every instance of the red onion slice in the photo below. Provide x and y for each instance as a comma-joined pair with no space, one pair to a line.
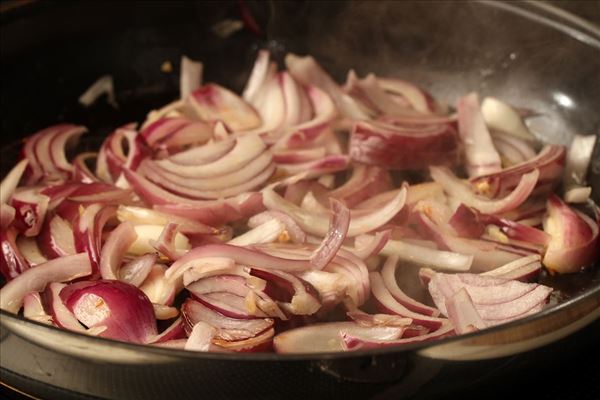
522,269
418,99
481,156
212,102
499,115
388,273
158,288
456,188
123,309
574,239
338,229
190,77
463,314
30,251
11,181
12,262
7,215
315,224
366,246
549,162
259,75
201,337
87,229
35,279
81,171
56,238
114,250
174,332
268,232
439,259
327,337
390,305
308,72
403,147
30,210
61,315
390,320
137,270
33,309
229,329
353,341
365,182
292,229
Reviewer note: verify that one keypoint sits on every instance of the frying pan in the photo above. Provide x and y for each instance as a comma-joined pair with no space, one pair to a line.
530,54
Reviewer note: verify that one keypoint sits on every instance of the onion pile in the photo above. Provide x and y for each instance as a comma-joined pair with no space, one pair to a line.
285,219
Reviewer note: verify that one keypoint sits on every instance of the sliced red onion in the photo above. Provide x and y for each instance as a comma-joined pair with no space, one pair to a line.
190,77
30,210
292,229
254,175
46,154
463,314
158,288
308,72
162,312
123,309
12,262
312,169
578,195
166,237
267,232
300,298
517,231
332,287
315,224
296,156
403,147
496,300
87,230
174,332
439,259
311,132
212,102
388,273
574,238
61,315
114,250
56,238
366,246
7,215
513,150
353,341
229,329
418,99
578,160
97,192
137,270
390,320
522,269
201,337
485,255
30,251
368,92
363,184
549,162
35,279
338,229
260,342
205,154
259,75
81,171
11,181
499,115
246,149
33,309
103,85
465,222
327,337
230,305
390,305
146,216
456,188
